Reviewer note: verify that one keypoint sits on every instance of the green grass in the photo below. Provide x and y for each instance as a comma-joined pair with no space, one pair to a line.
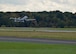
49,35
35,48
30,28
32,33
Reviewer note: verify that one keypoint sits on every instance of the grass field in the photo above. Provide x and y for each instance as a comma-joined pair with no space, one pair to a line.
32,29
32,33
34,48
37,48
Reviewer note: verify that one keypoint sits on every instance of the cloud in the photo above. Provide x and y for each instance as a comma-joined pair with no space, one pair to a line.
65,5
37,5
14,2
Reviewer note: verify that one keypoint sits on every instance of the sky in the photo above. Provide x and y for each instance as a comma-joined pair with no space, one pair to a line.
38,5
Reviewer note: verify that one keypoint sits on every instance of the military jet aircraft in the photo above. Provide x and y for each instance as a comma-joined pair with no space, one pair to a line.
23,19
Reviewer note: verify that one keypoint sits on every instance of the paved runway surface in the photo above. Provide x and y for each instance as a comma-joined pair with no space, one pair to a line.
56,30
33,40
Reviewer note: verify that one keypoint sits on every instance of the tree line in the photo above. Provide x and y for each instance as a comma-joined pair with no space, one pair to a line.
54,19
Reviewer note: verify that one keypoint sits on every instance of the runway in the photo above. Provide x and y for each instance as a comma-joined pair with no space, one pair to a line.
56,30
36,40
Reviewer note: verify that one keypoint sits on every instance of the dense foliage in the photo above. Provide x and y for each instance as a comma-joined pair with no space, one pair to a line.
56,19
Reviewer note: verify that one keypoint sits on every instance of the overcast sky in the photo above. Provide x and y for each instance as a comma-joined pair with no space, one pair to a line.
38,5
